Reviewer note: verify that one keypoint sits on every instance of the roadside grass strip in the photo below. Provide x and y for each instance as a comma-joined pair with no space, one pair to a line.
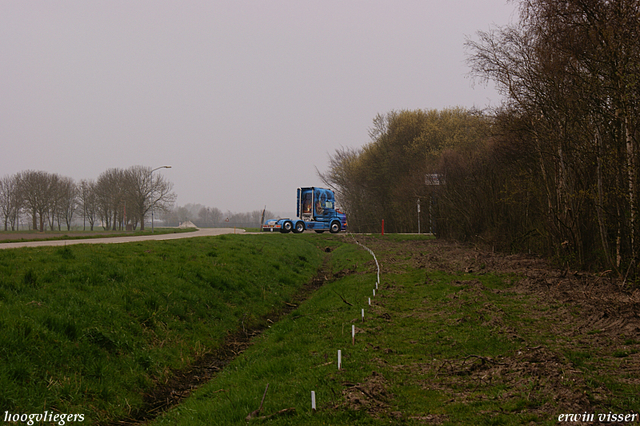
91,328
374,258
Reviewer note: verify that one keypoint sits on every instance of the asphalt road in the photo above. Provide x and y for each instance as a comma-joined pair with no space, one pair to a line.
206,232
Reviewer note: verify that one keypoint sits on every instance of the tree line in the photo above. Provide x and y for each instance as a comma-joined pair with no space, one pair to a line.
415,158
212,217
117,199
554,169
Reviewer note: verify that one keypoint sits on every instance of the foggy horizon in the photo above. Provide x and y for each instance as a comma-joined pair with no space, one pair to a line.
243,99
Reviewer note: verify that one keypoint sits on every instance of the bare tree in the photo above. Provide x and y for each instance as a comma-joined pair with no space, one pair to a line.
209,216
147,192
88,201
118,196
34,189
569,70
110,197
343,178
54,201
9,201
68,200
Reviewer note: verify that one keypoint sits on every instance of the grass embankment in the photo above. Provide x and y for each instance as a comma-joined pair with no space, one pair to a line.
436,347
91,328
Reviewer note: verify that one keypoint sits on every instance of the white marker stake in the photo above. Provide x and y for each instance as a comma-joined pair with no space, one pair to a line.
363,315
339,359
313,400
369,301
374,292
353,334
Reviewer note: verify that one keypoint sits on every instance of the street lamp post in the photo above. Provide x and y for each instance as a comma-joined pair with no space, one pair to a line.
153,205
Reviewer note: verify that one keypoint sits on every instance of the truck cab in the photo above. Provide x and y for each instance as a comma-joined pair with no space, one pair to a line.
316,210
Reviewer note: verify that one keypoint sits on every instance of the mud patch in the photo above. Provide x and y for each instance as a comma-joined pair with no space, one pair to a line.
370,395
535,379
588,302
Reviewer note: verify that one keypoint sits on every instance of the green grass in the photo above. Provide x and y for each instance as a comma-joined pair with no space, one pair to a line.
404,333
295,356
91,328
437,347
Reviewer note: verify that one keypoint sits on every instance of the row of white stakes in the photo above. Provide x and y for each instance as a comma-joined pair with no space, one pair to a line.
353,327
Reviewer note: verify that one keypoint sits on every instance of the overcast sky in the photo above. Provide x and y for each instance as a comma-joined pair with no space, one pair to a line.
244,99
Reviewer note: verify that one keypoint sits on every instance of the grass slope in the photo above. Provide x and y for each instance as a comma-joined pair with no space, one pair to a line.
90,328
437,347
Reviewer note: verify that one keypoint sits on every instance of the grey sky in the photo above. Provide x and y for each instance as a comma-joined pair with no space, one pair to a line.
244,99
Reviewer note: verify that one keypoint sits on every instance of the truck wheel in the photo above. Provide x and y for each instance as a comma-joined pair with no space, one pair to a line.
335,227
287,227
299,228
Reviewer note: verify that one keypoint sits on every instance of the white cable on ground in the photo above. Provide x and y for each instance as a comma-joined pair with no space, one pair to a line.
353,327
372,254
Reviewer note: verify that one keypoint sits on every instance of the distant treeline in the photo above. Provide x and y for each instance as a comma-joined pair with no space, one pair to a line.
554,170
212,217
119,198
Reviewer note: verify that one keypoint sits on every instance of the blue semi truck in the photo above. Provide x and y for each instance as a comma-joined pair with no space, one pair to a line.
316,210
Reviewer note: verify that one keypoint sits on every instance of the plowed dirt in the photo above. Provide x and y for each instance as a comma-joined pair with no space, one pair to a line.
595,317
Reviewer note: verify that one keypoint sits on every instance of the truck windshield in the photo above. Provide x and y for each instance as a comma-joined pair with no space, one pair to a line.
321,202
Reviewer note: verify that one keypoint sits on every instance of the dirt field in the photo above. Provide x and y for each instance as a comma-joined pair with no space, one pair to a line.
594,318
596,302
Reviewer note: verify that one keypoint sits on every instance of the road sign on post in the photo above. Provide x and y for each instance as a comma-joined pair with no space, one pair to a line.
431,179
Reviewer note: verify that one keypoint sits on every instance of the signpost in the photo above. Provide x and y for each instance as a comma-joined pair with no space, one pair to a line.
430,179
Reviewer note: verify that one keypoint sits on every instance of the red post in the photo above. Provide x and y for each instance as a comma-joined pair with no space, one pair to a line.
382,226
